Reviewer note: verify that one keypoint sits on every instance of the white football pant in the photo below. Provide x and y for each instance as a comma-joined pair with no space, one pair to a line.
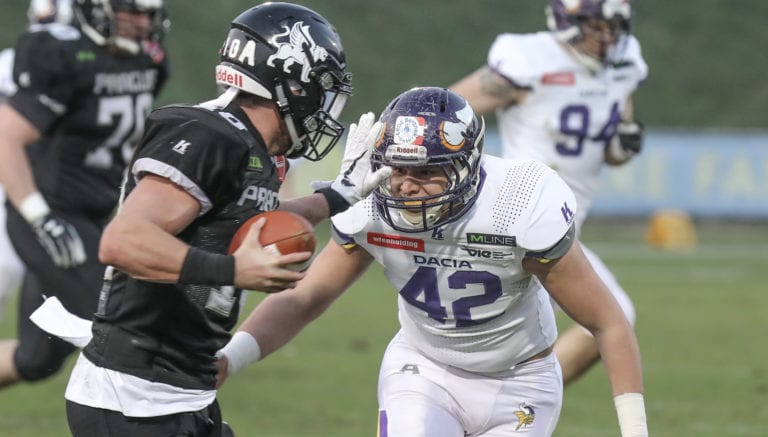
419,397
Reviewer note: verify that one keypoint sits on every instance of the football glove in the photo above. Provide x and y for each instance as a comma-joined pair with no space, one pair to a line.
61,240
356,180
628,141
630,136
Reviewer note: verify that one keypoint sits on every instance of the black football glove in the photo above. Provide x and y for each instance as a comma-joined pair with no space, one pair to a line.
630,136
61,240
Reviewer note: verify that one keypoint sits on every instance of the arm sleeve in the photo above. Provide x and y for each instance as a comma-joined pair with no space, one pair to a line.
508,58
192,154
550,218
44,76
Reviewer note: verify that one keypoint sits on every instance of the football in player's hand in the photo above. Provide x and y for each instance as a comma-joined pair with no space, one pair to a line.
284,232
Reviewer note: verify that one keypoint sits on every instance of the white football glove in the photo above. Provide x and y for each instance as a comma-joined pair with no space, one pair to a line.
356,180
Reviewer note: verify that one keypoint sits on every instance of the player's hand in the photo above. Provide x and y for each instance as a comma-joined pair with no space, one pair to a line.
356,180
61,240
630,136
221,369
259,269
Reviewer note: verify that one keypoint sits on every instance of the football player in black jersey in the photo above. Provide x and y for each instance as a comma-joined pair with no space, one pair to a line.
172,293
11,267
84,91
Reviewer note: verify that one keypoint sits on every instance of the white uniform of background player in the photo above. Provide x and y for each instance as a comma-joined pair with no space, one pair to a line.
40,12
565,107
467,242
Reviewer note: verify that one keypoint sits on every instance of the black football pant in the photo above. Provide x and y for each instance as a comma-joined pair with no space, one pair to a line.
90,422
40,355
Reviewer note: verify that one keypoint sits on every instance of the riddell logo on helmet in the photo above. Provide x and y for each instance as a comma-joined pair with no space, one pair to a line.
229,76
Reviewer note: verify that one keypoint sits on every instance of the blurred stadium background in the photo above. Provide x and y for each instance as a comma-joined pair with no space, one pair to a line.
700,291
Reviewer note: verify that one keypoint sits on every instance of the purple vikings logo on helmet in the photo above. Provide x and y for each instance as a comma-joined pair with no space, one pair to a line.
429,127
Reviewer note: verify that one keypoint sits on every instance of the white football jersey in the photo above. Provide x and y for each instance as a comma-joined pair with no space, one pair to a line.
570,113
464,299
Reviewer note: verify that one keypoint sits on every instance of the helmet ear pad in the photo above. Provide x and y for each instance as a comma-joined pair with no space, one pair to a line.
293,56
426,127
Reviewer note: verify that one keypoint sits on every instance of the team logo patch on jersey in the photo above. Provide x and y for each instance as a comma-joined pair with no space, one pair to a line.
282,166
491,239
395,242
567,213
409,130
291,50
525,416
558,79
181,147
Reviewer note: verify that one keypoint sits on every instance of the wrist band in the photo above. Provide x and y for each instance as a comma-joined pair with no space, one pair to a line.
336,203
34,207
630,409
241,351
201,267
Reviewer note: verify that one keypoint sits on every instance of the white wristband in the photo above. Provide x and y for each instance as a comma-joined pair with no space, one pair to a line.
631,411
34,207
241,351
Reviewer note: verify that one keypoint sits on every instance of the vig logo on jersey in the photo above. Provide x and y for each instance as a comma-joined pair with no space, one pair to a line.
395,242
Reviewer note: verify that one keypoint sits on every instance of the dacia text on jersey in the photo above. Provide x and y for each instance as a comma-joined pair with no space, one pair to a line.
129,82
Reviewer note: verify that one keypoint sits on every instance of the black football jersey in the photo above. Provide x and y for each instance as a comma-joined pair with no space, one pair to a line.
170,332
90,105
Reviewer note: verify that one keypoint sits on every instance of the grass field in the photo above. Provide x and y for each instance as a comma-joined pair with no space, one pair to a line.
701,326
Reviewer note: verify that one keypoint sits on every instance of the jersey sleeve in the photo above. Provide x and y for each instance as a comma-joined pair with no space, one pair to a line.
550,216
43,73
184,147
635,56
508,57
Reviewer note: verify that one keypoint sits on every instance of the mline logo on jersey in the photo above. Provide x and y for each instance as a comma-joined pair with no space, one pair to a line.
395,242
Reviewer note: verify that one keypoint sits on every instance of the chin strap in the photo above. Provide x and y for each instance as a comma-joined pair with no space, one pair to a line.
282,104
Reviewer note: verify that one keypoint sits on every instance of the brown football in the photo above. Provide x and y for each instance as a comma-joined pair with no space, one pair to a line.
284,232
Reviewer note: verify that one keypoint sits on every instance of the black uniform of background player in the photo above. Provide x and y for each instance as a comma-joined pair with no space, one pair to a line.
220,158
89,103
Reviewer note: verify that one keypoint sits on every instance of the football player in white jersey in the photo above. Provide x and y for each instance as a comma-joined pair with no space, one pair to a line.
11,267
467,241
563,97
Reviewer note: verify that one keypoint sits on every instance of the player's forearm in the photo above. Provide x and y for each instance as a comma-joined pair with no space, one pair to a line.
15,172
277,320
142,250
313,207
621,357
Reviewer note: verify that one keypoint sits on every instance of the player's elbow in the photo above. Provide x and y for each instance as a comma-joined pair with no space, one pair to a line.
113,249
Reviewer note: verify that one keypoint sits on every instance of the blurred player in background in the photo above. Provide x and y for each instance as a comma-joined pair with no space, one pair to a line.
83,93
11,267
172,292
461,237
563,97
